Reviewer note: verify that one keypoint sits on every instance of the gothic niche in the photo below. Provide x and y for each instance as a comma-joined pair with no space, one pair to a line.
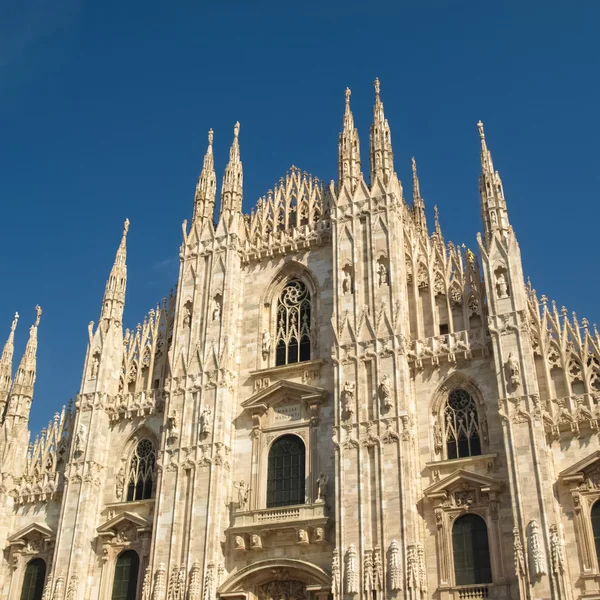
95,365
383,271
282,590
347,280
385,393
348,400
501,283
513,371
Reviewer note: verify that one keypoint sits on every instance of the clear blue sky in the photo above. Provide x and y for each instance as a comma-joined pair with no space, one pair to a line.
104,109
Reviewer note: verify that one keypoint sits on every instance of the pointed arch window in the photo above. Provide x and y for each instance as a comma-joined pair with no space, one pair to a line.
471,551
126,576
140,478
461,425
294,335
286,476
33,581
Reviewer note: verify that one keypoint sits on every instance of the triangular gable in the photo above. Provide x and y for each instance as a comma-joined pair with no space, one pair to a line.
112,525
23,534
576,472
440,488
282,390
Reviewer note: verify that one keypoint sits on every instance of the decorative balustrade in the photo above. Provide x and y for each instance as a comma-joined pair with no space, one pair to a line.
473,592
139,404
571,413
451,346
281,518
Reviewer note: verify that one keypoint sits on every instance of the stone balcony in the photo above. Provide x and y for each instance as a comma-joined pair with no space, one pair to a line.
249,528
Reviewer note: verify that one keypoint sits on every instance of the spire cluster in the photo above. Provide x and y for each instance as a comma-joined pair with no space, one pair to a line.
382,157
349,172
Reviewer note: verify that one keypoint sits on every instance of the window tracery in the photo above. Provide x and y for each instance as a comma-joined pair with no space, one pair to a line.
140,479
294,333
461,429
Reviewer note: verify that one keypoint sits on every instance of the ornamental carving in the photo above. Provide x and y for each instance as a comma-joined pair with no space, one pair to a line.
395,566
537,556
282,590
336,589
351,570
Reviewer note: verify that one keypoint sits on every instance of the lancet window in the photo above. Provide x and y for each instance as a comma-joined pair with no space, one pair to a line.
286,476
141,473
294,334
461,425
471,551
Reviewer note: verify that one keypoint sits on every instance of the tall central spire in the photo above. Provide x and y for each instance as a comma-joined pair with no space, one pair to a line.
349,150
204,200
231,194
382,157
6,365
22,389
114,295
493,204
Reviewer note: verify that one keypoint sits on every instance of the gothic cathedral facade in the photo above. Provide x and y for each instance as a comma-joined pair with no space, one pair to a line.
334,403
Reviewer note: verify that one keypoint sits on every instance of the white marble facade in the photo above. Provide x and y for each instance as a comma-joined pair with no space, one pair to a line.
442,420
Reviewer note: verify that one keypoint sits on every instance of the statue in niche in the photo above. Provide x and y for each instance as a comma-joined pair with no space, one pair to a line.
385,392
80,439
382,273
437,437
243,495
347,398
205,421
95,365
494,219
120,483
322,483
187,318
173,427
346,280
501,285
216,313
266,344
514,370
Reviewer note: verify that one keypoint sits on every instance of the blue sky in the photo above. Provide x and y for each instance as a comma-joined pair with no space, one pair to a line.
104,109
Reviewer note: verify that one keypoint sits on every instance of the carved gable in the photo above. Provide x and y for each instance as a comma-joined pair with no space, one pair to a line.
462,489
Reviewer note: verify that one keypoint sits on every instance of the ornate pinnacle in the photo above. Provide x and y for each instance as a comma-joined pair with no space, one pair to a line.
481,132
210,137
125,227
377,86
236,129
348,94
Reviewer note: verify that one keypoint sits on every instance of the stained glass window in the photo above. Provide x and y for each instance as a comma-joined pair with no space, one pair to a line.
293,324
461,425
471,551
141,471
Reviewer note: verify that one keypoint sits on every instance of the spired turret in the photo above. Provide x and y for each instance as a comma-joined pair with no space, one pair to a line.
113,303
349,172
418,207
6,366
204,199
382,157
233,180
19,403
493,204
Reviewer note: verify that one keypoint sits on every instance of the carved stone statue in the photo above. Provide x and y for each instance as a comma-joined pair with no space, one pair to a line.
351,571
240,543
385,392
368,572
205,421
319,535
266,344
173,426
501,285
187,318
322,484
255,542
382,274
346,280
243,495
437,437
514,370
302,536
347,398
95,365
537,556
216,312
519,557
80,439
120,483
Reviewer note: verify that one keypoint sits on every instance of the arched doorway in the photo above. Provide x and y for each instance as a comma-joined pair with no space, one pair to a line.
126,576
33,580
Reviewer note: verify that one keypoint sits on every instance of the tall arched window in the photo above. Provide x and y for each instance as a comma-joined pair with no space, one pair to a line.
126,576
140,479
33,581
596,527
461,425
293,324
286,478
471,551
